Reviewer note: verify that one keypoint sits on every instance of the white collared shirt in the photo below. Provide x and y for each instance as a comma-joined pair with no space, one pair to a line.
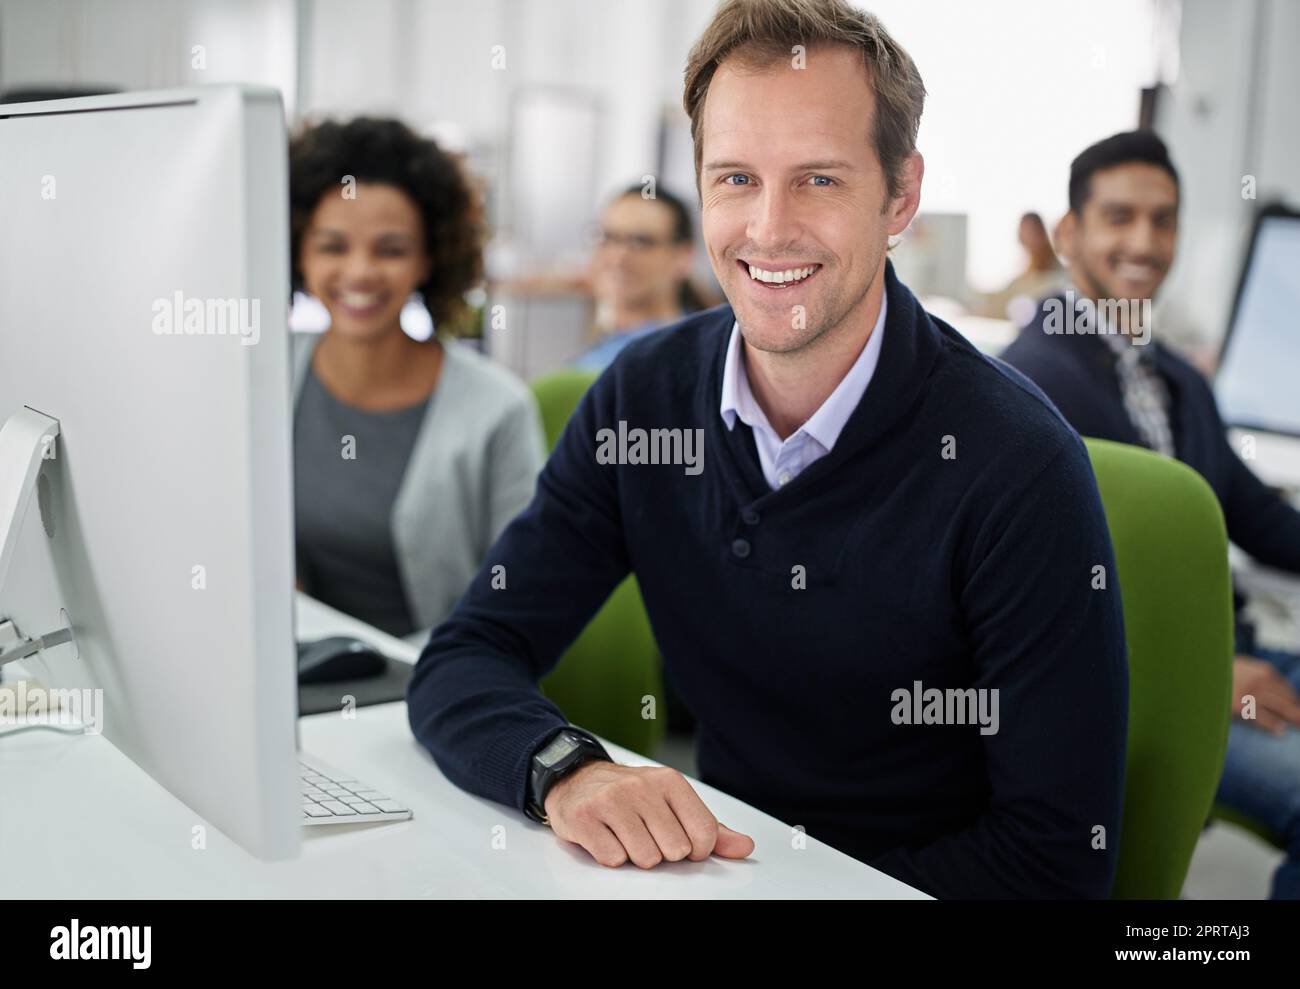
783,460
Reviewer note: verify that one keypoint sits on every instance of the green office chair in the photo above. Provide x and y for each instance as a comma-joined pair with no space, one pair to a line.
1172,553
600,683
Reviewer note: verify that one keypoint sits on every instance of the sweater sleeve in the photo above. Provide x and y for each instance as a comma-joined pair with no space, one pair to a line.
1259,520
1051,643
473,699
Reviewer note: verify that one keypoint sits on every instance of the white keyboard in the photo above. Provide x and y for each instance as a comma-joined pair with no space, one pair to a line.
332,797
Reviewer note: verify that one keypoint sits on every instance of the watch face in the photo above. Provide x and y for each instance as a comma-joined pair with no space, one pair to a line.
561,746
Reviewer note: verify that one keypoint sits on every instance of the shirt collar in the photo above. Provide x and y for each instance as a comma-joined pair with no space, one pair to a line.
826,424
1119,345
1116,342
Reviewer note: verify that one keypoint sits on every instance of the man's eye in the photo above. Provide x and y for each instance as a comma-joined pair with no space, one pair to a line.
822,180
743,179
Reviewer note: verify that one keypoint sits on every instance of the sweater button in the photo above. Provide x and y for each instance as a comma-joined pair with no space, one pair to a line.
741,548
749,517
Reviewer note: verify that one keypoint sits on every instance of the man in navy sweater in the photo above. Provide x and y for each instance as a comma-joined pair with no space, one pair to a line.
1116,383
875,561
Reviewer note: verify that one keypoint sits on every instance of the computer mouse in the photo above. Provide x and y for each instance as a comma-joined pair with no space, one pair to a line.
338,657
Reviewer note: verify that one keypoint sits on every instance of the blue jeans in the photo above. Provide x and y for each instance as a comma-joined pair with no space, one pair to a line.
1261,779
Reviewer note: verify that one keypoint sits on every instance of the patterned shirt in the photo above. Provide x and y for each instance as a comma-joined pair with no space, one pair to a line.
1145,394
1146,397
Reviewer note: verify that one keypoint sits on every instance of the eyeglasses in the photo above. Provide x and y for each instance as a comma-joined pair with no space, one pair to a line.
634,242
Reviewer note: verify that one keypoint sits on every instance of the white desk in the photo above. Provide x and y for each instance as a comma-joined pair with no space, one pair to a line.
1275,600
78,819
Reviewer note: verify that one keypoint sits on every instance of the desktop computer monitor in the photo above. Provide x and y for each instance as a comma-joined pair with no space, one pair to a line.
1256,384
145,488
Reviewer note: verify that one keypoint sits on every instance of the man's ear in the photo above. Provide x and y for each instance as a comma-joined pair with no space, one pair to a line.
1063,235
904,206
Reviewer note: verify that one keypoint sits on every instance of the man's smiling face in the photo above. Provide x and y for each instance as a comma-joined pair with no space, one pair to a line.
796,209
1122,244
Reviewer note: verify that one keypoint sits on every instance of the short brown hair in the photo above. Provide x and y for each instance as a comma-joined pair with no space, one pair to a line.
765,31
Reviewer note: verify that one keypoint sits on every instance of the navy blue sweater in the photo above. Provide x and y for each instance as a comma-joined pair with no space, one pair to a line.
973,571
1077,371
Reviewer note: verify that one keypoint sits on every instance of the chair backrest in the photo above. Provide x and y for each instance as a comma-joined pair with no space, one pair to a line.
1172,553
558,395
602,681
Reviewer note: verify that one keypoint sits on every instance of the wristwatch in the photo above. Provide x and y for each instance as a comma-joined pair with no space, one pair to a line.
564,752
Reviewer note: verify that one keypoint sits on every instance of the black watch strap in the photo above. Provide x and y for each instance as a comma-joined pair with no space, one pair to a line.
563,751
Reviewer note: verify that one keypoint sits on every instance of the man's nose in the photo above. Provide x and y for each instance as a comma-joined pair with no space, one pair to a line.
1143,238
773,220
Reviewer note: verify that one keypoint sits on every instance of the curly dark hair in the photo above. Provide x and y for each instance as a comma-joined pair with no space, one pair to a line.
385,151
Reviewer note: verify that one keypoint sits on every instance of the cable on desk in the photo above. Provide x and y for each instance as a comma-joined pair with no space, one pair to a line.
62,731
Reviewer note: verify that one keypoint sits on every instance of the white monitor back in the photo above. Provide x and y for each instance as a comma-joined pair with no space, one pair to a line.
162,529
1256,382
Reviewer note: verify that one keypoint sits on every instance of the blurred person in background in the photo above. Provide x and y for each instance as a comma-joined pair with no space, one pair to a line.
1119,240
1042,277
409,456
640,271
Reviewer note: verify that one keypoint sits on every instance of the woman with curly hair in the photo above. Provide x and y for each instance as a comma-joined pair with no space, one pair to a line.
409,456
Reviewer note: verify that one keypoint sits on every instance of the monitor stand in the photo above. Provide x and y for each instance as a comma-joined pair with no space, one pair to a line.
26,440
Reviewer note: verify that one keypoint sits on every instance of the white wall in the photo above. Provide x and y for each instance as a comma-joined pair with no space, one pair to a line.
456,70
1016,89
1234,111
148,44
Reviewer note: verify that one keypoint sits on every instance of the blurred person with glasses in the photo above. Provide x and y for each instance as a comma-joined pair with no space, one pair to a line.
640,271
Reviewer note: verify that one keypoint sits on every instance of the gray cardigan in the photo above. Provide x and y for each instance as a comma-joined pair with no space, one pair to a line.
475,462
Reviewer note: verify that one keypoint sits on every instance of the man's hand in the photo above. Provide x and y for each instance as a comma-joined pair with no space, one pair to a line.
643,813
1276,704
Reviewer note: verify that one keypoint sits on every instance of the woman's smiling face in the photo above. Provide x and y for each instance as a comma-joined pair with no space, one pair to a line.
364,257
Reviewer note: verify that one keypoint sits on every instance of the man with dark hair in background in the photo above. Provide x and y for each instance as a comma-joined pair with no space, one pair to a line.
1114,383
